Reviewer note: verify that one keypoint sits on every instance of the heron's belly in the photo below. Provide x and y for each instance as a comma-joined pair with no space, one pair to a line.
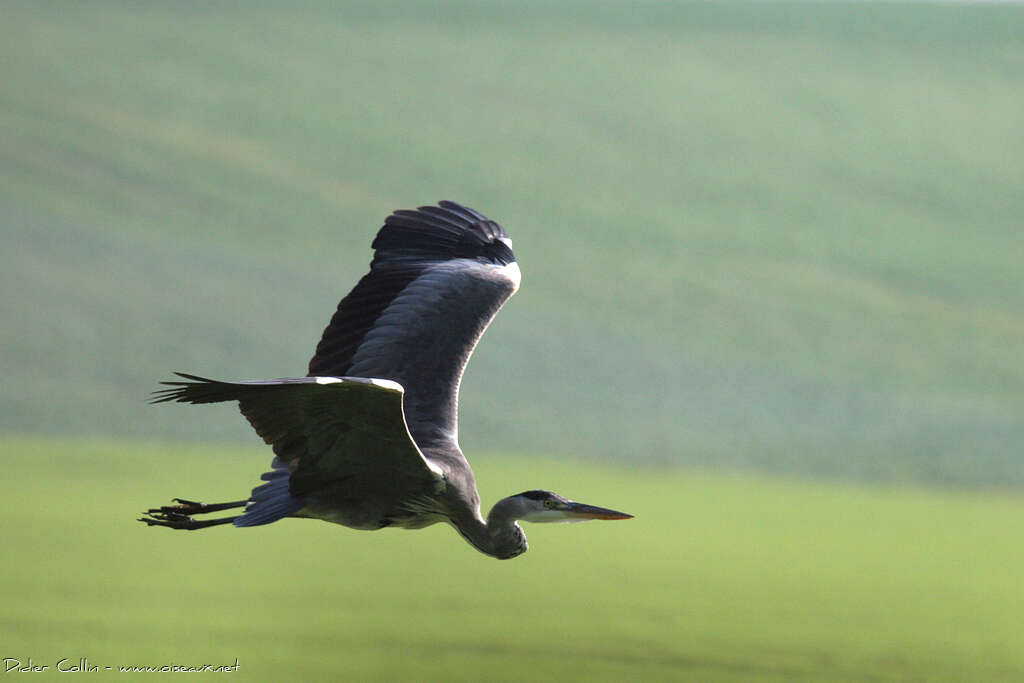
353,518
359,517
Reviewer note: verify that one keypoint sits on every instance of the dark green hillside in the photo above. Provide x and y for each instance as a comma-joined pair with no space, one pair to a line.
775,236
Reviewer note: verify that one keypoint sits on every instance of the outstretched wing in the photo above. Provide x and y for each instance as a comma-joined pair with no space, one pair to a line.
329,431
438,277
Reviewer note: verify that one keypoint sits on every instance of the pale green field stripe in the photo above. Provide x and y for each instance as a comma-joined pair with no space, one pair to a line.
718,578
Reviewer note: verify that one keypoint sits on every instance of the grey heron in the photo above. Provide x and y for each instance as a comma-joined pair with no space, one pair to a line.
369,438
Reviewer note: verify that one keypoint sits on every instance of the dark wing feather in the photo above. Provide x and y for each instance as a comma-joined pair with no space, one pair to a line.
356,315
328,430
438,276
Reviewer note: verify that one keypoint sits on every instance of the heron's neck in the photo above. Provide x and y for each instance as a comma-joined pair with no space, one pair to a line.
500,536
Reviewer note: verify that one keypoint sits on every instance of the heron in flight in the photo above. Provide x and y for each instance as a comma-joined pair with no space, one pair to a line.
369,438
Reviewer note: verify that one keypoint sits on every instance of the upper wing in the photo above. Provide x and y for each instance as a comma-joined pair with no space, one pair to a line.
329,430
438,277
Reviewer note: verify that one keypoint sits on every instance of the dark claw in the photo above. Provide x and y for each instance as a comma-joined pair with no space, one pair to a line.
186,507
169,518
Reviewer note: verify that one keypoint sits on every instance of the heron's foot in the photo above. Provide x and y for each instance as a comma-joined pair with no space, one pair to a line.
180,516
191,507
168,518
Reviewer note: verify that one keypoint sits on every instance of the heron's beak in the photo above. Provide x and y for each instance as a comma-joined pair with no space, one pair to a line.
582,511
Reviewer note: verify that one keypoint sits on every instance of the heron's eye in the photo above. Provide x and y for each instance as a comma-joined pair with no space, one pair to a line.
549,503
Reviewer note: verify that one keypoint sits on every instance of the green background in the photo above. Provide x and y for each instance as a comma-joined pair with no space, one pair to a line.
772,304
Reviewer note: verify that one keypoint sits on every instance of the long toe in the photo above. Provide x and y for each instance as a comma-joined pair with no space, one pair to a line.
186,507
169,518
168,510
192,507
174,519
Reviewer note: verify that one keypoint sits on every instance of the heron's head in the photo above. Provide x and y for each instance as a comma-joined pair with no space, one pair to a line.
545,506
508,539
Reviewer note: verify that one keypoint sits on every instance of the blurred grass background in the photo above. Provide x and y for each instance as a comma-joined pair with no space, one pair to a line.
763,238
774,236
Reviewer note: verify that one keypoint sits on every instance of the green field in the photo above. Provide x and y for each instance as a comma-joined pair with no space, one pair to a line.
718,578
773,305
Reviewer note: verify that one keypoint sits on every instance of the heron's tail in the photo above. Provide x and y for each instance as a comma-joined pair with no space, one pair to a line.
271,501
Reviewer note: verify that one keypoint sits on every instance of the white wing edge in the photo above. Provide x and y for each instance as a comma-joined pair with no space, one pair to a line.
382,383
